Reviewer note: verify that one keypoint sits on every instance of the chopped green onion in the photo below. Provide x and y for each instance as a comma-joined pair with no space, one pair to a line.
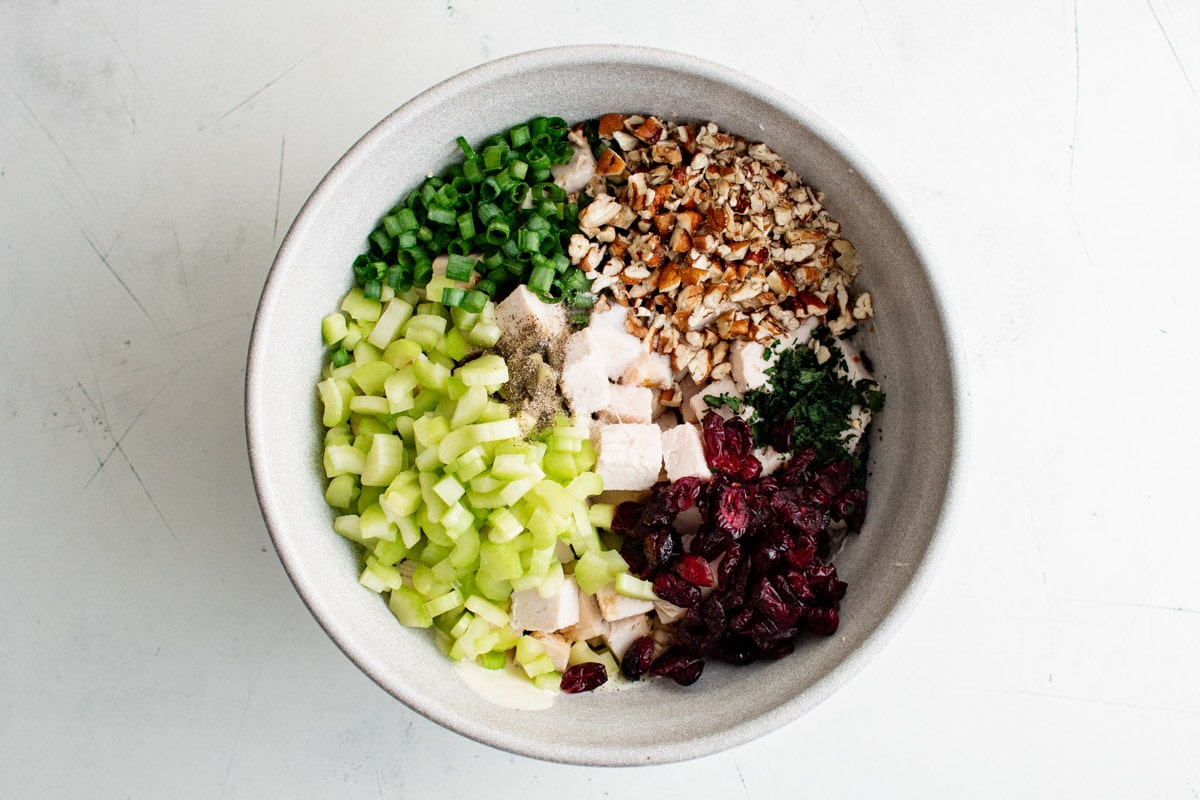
460,267
453,297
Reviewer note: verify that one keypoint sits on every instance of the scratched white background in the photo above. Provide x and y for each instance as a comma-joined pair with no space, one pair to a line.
152,156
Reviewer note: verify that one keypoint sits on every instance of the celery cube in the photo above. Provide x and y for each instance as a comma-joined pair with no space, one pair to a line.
343,459
341,491
360,308
384,460
401,353
336,396
409,607
333,328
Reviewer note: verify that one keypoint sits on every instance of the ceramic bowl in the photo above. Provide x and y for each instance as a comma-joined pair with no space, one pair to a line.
914,461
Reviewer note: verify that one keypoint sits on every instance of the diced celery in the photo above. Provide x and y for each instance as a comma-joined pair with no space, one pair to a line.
374,524
353,336
456,624
517,489
527,649
601,514
384,461
365,352
595,568
470,406
494,412
347,526
586,485
560,466
369,404
553,582
368,496
333,328
342,491
339,434
503,526
429,431
545,526
487,370
444,571
431,375
449,489
456,519
336,396
486,483
455,389
410,534
555,497
400,389
564,444
426,401
499,560
389,553
425,330
360,308
463,320
484,334
466,550
588,539
493,660
634,587
368,425
585,459
510,466
383,574
401,353
387,328
446,602
540,559
497,589
401,501
542,665
548,682
343,459
409,607
582,654
454,345
370,377
484,608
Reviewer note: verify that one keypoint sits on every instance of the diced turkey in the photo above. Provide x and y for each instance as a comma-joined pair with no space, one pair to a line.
522,309
614,606
695,407
575,174
615,349
649,369
584,383
683,453
532,612
628,404
629,455
590,624
622,633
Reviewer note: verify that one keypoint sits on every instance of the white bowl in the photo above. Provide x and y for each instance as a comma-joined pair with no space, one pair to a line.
914,462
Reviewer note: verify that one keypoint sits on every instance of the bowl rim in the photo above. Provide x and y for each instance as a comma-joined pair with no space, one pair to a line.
630,55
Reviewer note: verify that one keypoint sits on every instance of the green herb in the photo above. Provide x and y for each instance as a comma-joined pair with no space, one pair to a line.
813,396
732,402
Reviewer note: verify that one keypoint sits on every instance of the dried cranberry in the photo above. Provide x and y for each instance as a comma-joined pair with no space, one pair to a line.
794,470
729,446
660,547
583,677
635,556
732,508
681,495
674,589
851,506
694,569
821,621
729,562
783,435
681,667
834,477
626,516
710,542
742,620
638,658
739,650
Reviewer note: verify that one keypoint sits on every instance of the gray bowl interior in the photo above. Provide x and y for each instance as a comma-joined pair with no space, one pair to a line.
913,458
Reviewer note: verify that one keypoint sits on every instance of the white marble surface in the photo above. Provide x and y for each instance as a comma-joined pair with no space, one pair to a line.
152,156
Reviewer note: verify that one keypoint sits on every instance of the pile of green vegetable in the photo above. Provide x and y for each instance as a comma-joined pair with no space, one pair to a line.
500,204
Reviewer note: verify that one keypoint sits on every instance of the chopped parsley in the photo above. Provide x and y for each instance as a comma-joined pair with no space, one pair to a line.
732,402
806,403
